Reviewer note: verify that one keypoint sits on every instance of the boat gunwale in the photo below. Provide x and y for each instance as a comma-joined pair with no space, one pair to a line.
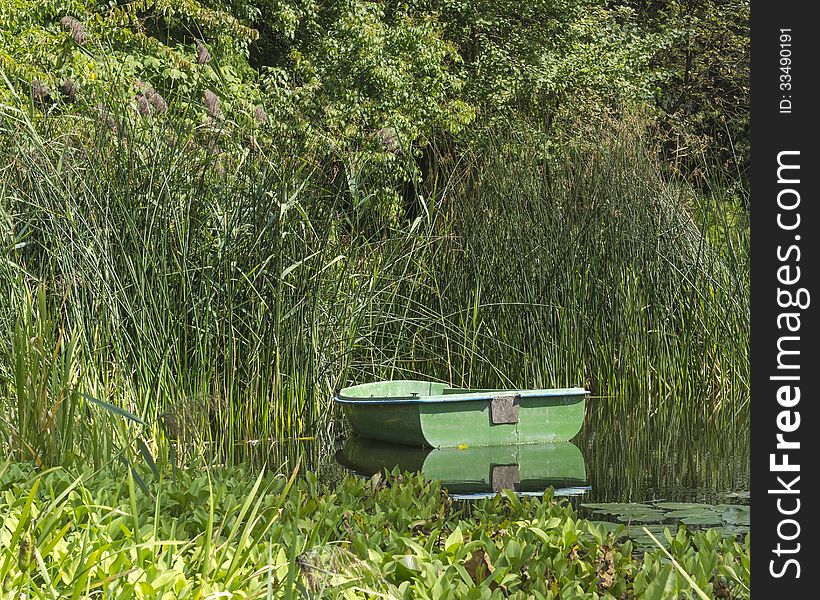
467,397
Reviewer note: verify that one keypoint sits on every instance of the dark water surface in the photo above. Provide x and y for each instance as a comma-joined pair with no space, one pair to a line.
664,457
641,471
615,458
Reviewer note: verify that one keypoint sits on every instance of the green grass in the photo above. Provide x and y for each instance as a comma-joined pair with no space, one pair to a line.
595,270
229,533
164,304
221,297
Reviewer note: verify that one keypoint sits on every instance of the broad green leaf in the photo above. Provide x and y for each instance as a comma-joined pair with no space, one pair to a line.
664,586
454,541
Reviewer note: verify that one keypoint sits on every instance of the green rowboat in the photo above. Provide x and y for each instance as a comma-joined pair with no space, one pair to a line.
435,415
478,471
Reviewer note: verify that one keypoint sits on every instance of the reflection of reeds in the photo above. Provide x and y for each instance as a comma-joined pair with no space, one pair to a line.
673,454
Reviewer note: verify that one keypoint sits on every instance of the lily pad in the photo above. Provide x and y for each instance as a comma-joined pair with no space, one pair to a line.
680,505
615,508
736,515
704,519
642,539
642,515
733,530
629,513
703,515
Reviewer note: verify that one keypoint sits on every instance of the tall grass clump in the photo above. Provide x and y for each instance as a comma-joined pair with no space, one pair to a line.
219,292
597,269
215,294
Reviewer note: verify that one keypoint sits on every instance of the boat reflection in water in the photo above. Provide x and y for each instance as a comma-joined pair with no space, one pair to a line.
476,472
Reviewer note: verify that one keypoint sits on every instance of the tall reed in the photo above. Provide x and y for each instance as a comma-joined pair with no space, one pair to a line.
593,270
221,295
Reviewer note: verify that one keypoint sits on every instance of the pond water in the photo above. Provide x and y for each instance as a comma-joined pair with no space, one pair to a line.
615,458
653,469
664,457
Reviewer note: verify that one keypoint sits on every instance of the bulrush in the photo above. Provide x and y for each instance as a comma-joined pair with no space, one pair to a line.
148,99
40,92
389,139
260,115
143,106
76,28
69,88
104,116
202,54
211,101
156,100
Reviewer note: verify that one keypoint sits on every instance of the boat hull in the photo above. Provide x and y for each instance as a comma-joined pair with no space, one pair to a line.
448,418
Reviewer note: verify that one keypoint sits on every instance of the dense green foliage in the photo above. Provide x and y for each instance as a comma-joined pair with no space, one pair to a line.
215,212
704,95
232,301
394,537
362,86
